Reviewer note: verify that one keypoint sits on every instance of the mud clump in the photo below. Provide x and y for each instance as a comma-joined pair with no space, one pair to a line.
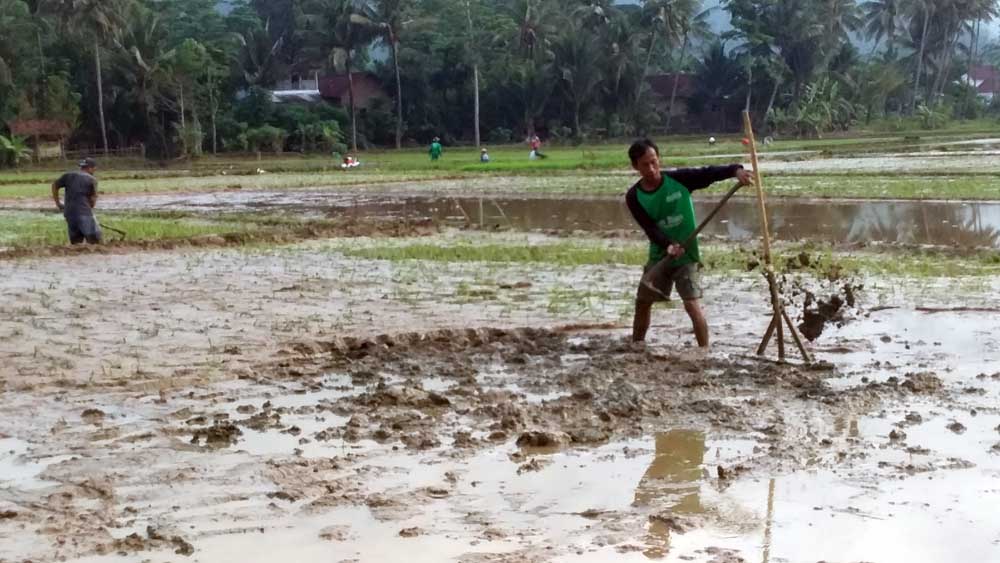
817,313
134,543
622,399
219,435
922,383
957,427
540,439
410,532
92,416
408,397
535,464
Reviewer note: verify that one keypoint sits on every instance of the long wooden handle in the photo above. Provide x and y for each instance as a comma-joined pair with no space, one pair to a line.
711,214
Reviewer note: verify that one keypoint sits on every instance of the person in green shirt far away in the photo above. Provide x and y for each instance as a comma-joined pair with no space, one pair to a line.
660,202
436,149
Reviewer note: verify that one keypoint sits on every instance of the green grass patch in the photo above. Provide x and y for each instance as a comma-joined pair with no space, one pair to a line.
556,254
823,261
26,229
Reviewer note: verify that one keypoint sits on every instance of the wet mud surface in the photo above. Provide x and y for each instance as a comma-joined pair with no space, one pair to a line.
293,404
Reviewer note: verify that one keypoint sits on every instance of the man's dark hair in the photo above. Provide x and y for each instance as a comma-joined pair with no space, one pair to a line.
639,149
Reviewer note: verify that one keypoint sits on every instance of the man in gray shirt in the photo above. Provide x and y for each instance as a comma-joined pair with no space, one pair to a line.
81,197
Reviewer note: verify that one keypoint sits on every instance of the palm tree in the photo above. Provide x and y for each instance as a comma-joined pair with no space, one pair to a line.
14,149
531,81
717,79
475,72
695,26
535,24
922,9
575,54
14,17
144,61
387,15
880,18
257,57
841,18
95,19
336,29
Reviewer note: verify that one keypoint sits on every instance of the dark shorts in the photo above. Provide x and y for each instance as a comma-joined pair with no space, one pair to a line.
659,280
83,228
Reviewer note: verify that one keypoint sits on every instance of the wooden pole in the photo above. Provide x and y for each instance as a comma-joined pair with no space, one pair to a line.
766,235
769,523
776,304
759,184
795,336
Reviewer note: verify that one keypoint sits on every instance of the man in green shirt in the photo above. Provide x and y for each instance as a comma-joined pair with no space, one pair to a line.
661,203
436,149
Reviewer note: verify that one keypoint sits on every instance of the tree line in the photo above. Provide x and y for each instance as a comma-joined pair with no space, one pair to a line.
184,77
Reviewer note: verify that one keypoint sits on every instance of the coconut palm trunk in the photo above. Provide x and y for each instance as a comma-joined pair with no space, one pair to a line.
920,57
475,76
350,98
770,102
399,92
677,78
100,96
645,66
475,87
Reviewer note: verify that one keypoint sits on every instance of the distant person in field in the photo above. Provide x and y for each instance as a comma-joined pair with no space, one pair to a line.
80,200
436,149
484,156
661,204
536,148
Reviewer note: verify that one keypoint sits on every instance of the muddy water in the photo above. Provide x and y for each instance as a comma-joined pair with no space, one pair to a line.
964,224
934,223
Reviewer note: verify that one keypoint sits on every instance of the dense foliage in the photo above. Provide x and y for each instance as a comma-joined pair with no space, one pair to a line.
182,77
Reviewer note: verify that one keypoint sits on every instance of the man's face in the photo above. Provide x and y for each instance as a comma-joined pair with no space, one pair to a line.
648,166
89,170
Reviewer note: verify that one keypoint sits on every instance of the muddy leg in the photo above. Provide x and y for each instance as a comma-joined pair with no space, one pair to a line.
693,308
640,324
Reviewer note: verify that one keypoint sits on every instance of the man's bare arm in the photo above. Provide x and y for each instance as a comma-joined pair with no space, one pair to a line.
55,195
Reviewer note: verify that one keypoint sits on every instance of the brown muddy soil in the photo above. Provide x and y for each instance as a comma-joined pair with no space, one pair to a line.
292,404
349,447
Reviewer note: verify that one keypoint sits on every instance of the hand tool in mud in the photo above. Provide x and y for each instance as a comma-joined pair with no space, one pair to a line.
772,284
692,236
113,230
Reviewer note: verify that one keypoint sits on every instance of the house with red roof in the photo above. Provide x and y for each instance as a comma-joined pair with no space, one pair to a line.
985,79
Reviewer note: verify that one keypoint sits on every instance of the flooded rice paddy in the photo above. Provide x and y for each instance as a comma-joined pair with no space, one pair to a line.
296,403
939,223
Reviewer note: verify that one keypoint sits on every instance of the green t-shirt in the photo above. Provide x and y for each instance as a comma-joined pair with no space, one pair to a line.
435,150
672,208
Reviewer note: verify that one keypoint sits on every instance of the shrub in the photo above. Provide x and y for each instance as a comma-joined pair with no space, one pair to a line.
500,135
266,137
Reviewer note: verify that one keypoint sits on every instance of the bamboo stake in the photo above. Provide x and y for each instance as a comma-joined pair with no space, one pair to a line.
758,182
776,303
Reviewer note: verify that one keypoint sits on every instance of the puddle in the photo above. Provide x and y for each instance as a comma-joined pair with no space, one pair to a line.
908,222
956,346
20,471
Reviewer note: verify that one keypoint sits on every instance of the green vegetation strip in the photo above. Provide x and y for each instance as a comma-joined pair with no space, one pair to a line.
823,261
28,229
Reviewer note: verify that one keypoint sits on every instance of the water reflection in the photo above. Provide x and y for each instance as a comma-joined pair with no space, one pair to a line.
915,222
672,484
